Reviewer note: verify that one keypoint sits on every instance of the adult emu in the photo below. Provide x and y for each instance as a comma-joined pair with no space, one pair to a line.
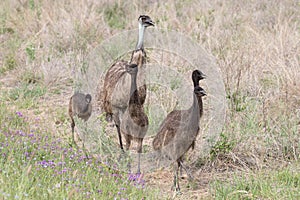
115,92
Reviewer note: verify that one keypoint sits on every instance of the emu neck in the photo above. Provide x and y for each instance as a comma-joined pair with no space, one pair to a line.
200,105
197,107
196,81
140,43
133,90
197,98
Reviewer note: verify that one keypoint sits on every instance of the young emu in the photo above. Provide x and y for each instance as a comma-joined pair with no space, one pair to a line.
178,132
134,122
80,106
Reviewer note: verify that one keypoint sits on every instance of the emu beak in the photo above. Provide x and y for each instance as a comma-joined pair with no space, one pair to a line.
203,92
149,22
203,76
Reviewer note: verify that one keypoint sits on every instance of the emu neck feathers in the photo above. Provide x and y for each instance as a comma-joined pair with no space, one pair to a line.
196,82
133,86
133,90
196,108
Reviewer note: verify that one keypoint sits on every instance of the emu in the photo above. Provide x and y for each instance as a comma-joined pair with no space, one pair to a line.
80,106
115,92
197,76
179,130
134,122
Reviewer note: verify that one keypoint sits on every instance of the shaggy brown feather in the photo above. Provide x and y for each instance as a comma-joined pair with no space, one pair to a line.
113,76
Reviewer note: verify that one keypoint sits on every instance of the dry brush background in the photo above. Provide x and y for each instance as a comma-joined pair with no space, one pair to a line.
255,43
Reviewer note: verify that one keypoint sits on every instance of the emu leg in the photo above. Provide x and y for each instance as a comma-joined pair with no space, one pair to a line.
139,165
185,169
117,122
180,166
176,179
72,127
84,137
139,151
128,139
120,137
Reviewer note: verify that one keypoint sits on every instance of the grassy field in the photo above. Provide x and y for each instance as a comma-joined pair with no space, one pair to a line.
256,45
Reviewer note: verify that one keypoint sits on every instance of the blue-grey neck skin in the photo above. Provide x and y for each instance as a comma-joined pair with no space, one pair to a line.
140,43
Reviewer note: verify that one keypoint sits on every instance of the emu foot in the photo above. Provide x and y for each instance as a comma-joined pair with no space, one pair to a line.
177,192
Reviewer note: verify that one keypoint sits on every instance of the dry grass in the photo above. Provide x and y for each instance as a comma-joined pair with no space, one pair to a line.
256,45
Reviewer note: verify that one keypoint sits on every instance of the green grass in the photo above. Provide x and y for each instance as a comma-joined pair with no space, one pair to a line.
281,184
11,46
115,16
223,146
30,51
36,165
9,64
25,96
254,133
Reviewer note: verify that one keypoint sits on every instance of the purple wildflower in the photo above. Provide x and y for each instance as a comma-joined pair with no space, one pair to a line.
21,133
133,177
64,170
61,163
19,114
27,154
46,164
137,179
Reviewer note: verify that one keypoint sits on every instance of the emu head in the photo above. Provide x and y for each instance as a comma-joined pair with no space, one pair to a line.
88,98
197,75
199,91
145,20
